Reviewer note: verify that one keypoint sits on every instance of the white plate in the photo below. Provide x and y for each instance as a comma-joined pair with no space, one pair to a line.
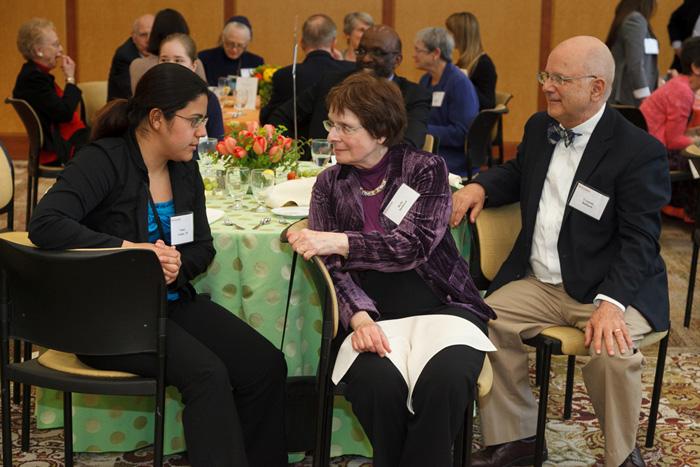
292,211
214,215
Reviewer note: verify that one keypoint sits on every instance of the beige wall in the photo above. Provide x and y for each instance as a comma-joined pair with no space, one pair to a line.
510,31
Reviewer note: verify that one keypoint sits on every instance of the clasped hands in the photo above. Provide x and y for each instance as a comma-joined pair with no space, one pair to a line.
168,256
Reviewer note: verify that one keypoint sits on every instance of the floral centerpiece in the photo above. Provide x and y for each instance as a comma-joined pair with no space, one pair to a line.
264,74
256,147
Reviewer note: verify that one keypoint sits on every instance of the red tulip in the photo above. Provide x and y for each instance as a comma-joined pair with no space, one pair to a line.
276,153
269,131
252,126
221,148
288,143
259,145
230,144
239,152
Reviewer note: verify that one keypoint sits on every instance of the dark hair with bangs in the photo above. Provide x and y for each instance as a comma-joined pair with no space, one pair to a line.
690,55
377,102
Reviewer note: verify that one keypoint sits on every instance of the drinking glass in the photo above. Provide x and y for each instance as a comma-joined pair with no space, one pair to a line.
321,151
223,86
206,146
261,180
240,98
237,183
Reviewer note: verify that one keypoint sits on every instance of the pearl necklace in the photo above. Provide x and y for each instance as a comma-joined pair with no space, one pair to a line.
376,191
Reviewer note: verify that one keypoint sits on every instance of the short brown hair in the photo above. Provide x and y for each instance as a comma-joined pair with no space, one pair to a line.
377,102
30,34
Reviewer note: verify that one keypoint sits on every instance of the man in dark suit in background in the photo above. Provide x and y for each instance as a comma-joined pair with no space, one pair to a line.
590,187
684,23
379,51
317,41
119,82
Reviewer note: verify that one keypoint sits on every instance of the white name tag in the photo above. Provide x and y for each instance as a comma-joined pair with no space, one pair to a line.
693,170
404,198
589,201
182,229
651,46
438,96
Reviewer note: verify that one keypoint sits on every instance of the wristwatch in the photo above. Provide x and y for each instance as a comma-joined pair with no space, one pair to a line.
70,80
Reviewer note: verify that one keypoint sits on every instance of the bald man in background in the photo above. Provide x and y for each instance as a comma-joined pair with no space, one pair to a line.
119,82
590,187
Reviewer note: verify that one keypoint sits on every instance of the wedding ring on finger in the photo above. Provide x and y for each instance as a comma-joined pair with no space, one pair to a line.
617,330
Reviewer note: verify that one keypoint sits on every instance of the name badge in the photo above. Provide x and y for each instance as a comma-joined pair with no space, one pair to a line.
589,201
438,96
404,198
182,229
651,46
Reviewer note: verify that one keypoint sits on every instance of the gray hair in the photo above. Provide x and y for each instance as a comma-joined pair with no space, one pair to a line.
236,25
318,31
351,20
30,34
437,39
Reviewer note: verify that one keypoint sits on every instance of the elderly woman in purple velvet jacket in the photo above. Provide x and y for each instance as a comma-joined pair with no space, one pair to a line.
379,218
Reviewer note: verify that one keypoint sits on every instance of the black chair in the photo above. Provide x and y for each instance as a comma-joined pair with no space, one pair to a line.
633,114
502,99
35,171
494,234
326,390
7,189
80,311
695,238
477,145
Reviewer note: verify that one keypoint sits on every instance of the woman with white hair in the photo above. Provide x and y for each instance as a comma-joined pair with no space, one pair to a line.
455,103
231,55
56,106
354,26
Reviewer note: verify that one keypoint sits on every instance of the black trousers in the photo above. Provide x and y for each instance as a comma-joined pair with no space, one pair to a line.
232,382
378,394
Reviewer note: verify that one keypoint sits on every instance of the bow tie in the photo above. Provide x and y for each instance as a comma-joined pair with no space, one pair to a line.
555,132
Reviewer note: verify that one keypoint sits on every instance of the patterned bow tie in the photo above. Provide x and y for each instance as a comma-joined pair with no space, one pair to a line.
555,132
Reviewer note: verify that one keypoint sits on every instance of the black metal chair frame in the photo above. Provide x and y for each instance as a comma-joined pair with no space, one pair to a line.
498,140
695,238
35,171
326,390
477,144
80,311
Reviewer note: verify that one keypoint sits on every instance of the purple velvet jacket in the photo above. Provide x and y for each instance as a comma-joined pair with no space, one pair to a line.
422,241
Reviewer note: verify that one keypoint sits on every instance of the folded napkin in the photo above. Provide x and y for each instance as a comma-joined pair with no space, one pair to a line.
291,193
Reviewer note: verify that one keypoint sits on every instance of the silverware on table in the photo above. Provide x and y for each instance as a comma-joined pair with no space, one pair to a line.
263,221
230,223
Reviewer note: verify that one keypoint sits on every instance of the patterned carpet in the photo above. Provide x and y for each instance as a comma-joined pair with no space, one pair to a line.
577,442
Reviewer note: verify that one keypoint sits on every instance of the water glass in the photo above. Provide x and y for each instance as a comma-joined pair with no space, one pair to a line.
240,99
237,183
206,146
223,86
321,151
261,180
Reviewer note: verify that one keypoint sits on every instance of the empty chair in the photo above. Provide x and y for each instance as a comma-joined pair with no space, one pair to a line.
94,98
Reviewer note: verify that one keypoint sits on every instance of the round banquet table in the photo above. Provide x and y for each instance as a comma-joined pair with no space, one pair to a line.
250,277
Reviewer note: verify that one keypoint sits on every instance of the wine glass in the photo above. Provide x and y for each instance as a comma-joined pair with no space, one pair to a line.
240,99
321,151
223,87
206,146
237,183
261,180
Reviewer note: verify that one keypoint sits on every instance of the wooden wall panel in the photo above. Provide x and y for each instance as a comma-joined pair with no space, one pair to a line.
572,19
14,13
510,31
273,23
102,28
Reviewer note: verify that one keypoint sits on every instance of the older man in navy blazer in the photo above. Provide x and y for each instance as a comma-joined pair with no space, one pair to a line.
590,187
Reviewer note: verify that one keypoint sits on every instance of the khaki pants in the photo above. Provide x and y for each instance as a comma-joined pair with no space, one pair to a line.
509,412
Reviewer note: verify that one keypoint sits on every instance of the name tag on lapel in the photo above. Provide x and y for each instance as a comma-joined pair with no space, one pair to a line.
651,46
588,201
404,198
438,97
182,229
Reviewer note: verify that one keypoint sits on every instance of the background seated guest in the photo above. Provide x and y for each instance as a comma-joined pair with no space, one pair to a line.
379,51
232,55
119,82
464,27
123,190
317,41
455,103
635,50
593,264
354,26
385,270
57,108
667,113
166,22
683,23
180,48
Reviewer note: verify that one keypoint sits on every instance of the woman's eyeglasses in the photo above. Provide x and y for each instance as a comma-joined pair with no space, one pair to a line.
195,122
339,127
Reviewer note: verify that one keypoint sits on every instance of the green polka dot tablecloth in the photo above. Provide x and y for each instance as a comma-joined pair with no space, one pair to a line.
250,277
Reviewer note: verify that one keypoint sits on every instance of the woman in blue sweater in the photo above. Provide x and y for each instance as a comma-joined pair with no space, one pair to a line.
455,103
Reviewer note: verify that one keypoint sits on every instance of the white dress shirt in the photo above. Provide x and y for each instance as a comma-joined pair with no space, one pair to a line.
544,257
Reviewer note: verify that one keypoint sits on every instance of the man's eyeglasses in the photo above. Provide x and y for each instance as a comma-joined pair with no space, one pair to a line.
195,122
339,127
376,52
234,45
558,79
